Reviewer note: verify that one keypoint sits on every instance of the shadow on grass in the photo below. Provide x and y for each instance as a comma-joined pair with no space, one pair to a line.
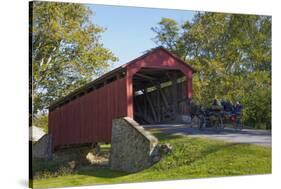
102,173
166,136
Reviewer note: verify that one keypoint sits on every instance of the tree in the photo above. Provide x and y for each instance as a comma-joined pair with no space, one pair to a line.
231,52
66,51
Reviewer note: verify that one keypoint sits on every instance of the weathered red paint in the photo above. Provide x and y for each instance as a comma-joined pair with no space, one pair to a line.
88,118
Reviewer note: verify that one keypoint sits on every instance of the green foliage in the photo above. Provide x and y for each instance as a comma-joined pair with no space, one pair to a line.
191,158
258,100
66,51
41,121
168,33
232,56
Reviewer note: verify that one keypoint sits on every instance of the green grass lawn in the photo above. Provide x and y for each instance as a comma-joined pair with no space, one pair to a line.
191,158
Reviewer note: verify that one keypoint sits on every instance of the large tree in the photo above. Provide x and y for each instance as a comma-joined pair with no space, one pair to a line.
232,54
66,50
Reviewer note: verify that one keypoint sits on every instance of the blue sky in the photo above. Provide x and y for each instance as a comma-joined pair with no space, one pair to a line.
129,32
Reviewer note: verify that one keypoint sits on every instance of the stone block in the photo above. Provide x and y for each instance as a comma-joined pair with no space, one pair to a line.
131,146
43,147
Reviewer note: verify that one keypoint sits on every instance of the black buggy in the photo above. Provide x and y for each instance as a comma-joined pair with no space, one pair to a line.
218,115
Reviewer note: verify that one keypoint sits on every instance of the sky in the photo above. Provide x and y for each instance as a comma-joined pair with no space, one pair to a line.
128,29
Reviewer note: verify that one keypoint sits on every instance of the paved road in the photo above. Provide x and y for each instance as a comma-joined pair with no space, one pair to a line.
250,136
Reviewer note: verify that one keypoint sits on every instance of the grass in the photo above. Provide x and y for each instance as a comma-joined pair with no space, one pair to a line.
191,158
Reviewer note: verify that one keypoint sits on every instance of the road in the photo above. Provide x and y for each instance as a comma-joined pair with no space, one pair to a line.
250,136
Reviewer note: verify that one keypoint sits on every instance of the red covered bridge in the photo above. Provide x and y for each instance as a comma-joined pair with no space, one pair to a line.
153,88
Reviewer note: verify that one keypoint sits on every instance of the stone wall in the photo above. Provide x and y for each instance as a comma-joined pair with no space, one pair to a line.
43,147
131,146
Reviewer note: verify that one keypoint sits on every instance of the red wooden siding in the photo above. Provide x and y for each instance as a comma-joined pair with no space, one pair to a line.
88,118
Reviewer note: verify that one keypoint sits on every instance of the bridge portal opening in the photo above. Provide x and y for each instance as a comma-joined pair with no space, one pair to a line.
160,96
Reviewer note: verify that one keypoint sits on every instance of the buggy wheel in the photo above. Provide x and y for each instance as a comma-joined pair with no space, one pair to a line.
235,124
201,122
220,120
240,125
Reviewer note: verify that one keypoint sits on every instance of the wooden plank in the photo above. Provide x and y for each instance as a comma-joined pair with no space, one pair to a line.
145,107
150,105
138,106
146,76
162,94
174,93
158,106
145,118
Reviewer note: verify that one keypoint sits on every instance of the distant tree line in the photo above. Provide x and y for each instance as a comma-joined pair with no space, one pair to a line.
232,56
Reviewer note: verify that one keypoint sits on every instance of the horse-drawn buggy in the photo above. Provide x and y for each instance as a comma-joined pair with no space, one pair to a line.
218,115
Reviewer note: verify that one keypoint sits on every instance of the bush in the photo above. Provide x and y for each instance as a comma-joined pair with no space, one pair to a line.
257,110
41,121
257,102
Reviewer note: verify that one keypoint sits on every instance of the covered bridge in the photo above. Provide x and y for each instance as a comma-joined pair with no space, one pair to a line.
153,88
